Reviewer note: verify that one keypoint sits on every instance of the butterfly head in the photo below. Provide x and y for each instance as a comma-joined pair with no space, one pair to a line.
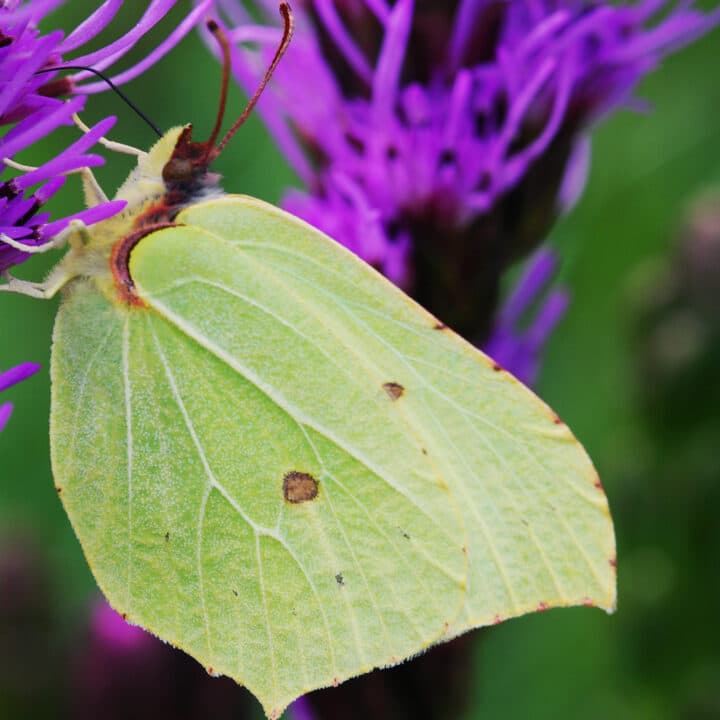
187,168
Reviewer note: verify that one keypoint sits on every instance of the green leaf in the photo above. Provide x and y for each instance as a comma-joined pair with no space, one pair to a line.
287,468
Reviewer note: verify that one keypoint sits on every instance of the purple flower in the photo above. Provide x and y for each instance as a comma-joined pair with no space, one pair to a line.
8,379
31,103
440,140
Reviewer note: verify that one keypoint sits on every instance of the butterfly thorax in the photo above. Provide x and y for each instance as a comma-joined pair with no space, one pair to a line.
171,176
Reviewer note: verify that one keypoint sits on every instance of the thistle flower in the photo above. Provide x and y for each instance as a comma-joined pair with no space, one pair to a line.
31,104
439,140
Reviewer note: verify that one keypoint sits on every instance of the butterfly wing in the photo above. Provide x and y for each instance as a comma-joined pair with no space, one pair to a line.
286,467
240,480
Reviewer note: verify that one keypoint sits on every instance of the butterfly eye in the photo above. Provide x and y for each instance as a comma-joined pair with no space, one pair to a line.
178,170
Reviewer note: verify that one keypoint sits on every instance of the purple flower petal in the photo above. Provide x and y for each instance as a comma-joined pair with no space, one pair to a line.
343,40
12,377
576,174
537,275
17,82
518,346
155,12
44,193
34,131
168,44
89,216
390,61
35,11
546,320
17,374
5,413
91,26
70,158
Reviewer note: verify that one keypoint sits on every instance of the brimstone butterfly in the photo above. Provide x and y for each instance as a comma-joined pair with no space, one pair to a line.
278,462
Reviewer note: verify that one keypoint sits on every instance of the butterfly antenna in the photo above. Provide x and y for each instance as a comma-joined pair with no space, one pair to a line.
289,23
111,85
222,40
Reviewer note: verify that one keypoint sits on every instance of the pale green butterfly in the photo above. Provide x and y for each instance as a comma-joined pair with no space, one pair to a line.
278,462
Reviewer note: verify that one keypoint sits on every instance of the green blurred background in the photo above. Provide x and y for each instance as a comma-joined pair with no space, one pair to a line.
658,656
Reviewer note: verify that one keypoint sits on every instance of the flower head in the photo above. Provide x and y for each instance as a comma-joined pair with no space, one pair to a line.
440,140
31,104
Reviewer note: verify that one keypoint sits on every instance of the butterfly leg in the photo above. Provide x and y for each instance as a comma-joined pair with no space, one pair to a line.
41,291
76,229
58,241
76,233
94,194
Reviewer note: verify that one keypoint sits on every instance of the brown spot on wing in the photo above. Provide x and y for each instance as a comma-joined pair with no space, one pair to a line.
394,390
299,487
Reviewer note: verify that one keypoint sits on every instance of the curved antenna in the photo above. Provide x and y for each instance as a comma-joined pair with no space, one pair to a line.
222,40
112,86
289,23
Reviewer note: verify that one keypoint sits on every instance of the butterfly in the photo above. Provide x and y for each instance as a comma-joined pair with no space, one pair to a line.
277,461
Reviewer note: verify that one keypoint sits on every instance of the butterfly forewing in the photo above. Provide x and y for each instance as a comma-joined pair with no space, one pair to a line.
536,516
